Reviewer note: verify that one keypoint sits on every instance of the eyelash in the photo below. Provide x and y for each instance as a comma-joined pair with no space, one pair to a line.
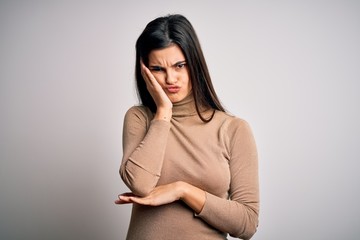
157,69
181,65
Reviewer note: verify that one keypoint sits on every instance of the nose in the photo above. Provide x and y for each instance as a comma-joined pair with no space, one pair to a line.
171,77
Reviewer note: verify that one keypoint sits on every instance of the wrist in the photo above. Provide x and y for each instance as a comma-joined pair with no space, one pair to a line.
194,197
163,114
180,187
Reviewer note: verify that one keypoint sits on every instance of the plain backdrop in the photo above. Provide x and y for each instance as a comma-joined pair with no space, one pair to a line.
290,68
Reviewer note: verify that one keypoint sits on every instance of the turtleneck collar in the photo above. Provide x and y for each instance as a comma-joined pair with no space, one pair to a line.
185,107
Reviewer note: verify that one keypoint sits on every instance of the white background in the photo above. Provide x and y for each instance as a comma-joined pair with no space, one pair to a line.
290,68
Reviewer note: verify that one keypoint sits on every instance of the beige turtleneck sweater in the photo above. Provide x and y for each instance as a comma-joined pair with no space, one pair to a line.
219,157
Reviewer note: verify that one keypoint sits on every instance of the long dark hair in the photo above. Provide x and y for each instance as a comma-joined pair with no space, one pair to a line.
176,29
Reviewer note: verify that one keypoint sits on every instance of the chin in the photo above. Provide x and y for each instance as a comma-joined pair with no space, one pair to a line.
176,99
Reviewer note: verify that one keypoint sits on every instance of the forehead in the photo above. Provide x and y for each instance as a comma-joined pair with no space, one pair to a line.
168,55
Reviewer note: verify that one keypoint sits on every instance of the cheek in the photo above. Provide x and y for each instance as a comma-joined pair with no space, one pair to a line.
189,86
188,81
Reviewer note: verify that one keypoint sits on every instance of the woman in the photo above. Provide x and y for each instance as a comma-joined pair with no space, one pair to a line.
191,167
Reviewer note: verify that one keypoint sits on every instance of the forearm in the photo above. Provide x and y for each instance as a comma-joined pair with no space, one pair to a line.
194,197
216,210
141,167
236,218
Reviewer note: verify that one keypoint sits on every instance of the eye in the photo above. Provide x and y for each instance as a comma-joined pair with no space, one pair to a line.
181,65
156,69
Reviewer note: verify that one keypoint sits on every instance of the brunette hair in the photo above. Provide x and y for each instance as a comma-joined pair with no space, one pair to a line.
176,29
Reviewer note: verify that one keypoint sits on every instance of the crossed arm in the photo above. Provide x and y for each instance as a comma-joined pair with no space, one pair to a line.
237,216
194,197
191,195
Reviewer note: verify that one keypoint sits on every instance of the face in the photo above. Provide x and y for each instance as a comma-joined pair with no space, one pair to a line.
168,65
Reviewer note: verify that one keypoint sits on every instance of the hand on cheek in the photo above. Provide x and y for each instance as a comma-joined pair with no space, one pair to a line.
162,101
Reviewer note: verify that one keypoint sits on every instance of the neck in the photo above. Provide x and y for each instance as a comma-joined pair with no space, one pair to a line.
185,107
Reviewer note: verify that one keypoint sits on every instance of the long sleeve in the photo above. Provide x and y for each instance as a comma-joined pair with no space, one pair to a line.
144,143
219,157
237,215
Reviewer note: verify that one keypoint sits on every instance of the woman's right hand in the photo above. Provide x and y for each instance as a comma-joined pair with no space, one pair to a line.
162,101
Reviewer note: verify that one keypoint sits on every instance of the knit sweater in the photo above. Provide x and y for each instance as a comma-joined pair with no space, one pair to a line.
219,157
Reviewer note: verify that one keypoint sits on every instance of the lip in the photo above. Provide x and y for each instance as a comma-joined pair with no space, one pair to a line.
173,89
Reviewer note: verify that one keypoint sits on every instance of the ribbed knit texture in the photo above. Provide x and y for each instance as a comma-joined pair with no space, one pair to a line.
219,157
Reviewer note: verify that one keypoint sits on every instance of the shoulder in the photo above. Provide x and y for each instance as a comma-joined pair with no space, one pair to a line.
237,135
138,115
233,127
139,111
230,121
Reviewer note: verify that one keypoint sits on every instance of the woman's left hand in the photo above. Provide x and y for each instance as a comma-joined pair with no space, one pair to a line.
160,195
194,197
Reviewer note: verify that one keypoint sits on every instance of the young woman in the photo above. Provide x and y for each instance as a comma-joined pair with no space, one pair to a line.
191,167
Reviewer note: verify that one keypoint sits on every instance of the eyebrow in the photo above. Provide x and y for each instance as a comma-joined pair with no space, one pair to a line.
162,68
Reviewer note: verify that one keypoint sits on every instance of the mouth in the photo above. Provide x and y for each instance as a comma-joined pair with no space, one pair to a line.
173,89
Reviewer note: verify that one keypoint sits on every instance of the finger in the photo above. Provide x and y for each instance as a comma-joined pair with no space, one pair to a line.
119,201
144,73
124,199
142,201
143,66
147,75
142,63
